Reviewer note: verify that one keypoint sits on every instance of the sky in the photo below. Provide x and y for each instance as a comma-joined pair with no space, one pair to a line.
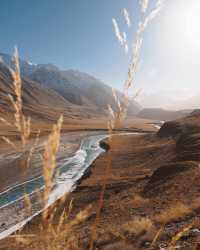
79,34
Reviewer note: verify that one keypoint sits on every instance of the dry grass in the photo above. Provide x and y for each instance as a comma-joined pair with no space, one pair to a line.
49,157
22,123
48,232
60,234
138,226
177,237
117,117
175,212
139,201
9,142
50,236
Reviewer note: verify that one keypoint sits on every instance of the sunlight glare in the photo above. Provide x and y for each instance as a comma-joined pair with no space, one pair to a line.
190,19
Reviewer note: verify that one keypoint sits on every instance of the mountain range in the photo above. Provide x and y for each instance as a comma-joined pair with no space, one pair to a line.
72,90
162,114
49,91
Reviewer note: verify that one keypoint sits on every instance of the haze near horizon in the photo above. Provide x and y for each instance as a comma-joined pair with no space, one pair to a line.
50,32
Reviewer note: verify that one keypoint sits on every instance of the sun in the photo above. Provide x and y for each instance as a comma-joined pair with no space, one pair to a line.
191,21
180,27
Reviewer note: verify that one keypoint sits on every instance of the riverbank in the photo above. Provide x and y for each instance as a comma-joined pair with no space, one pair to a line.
133,159
149,198
13,206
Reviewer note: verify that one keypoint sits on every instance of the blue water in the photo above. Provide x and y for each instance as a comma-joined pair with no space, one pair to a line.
67,175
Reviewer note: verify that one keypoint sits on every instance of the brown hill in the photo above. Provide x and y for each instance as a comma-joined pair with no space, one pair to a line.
185,133
160,114
189,124
153,188
188,147
43,105
76,87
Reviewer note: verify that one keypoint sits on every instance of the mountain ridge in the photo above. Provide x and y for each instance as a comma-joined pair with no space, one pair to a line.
76,87
161,114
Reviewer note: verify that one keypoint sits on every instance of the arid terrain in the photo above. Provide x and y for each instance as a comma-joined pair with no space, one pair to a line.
44,106
152,192
100,125
139,194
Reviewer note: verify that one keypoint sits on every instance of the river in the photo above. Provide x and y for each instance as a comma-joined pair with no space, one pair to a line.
72,169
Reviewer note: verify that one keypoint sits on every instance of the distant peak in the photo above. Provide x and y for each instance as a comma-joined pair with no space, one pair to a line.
48,66
32,64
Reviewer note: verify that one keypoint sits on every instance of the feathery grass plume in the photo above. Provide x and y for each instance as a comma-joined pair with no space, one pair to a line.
111,112
135,56
115,116
156,237
133,65
49,157
18,91
150,16
127,17
58,236
138,44
117,101
49,233
126,48
22,123
144,5
54,234
5,122
121,37
63,216
118,116
28,204
117,32
9,142
176,211
136,94
178,236
137,226
33,148
124,37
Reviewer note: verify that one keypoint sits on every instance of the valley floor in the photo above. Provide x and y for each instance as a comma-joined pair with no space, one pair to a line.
144,206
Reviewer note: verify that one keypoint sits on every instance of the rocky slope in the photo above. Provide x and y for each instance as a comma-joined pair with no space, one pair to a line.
190,124
185,133
152,193
44,105
76,87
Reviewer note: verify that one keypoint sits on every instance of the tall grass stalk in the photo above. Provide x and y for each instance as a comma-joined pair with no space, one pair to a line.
49,157
22,123
49,232
117,117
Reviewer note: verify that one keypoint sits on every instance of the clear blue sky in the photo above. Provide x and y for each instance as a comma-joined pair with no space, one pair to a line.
74,34
78,34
